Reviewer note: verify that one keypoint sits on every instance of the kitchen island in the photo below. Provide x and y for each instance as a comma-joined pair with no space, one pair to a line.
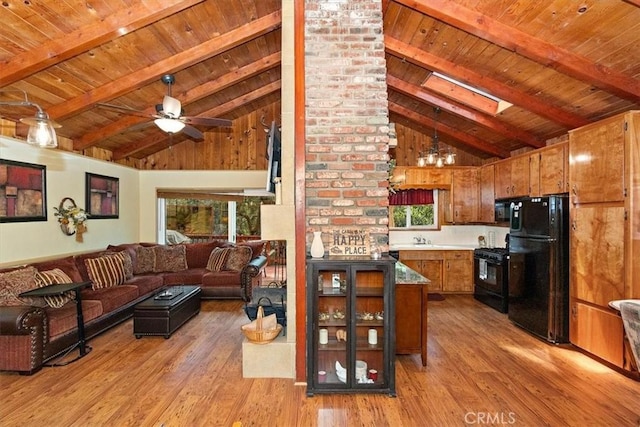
411,311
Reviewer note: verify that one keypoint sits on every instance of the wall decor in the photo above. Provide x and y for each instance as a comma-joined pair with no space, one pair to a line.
23,191
71,218
102,196
350,242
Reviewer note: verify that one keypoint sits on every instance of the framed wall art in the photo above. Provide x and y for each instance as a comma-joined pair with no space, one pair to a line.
102,196
23,191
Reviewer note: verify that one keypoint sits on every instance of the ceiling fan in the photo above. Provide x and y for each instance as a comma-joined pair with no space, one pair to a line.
170,115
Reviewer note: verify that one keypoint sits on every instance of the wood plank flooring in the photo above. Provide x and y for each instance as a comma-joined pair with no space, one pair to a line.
481,370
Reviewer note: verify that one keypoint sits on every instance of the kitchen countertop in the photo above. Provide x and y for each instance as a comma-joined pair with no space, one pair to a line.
407,275
427,247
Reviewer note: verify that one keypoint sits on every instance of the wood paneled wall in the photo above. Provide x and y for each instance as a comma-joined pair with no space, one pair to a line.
411,142
241,147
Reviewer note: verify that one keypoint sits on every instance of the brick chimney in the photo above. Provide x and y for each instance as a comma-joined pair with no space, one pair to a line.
347,119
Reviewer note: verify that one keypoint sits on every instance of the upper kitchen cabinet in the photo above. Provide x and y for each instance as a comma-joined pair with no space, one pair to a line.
464,195
597,160
428,177
486,212
548,170
512,177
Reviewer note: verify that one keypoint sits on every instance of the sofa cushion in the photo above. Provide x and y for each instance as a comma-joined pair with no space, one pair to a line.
106,271
65,319
198,253
192,276
112,298
238,257
170,258
130,248
146,283
66,264
52,277
257,246
218,259
13,283
221,279
145,260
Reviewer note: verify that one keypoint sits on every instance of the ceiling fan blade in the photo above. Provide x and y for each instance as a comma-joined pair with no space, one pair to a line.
207,121
123,109
193,133
171,107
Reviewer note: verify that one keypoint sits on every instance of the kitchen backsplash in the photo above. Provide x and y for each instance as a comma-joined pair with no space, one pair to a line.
449,235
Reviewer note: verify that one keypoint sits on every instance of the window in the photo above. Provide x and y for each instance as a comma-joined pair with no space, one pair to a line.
415,216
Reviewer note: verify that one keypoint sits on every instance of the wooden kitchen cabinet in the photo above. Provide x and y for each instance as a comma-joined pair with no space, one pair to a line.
604,254
429,268
411,319
597,155
512,177
486,212
464,196
427,177
458,272
450,271
547,170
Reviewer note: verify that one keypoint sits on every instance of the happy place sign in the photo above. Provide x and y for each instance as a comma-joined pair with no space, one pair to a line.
350,242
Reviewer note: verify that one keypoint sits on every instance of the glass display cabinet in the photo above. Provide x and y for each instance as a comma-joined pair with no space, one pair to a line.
350,316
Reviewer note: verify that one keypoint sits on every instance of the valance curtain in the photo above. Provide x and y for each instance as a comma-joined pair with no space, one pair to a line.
411,197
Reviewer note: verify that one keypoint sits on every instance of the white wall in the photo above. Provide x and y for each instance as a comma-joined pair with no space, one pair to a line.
65,177
450,235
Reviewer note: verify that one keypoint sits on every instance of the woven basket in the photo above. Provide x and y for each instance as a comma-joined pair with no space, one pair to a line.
255,332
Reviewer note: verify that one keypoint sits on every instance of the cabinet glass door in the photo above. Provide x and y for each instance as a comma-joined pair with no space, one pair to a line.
368,291
332,334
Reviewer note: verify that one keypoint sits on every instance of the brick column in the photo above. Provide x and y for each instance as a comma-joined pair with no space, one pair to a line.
347,119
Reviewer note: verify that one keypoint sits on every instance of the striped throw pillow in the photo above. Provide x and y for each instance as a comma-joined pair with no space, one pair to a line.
54,277
105,271
218,259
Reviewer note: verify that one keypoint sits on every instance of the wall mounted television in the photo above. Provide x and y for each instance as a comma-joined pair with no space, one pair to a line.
274,157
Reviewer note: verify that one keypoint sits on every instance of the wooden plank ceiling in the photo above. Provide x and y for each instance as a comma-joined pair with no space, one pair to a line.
561,64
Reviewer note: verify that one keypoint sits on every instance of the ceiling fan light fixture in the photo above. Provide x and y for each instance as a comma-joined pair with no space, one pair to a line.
169,125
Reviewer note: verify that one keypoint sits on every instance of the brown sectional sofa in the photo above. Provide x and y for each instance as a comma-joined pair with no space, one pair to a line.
31,335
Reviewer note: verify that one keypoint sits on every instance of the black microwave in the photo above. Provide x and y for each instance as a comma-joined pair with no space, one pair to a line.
502,209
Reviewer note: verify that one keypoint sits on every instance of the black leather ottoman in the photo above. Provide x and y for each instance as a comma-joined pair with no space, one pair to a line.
166,311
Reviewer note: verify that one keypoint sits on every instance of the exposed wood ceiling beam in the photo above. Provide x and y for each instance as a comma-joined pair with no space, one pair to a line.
482,119
123,152
135,80
187,97
443,128
83,39
633,2
545,53
432,62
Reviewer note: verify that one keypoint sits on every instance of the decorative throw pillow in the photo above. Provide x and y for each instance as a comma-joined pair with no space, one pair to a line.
13,283
170,258
218,259
105,271
238,258
54,277
126,262
145,260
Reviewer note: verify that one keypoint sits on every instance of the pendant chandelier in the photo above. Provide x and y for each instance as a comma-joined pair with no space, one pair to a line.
434,156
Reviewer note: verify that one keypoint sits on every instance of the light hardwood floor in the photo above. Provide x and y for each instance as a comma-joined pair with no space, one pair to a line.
482,370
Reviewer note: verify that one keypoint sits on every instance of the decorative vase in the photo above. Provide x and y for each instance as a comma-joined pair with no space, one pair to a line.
317,247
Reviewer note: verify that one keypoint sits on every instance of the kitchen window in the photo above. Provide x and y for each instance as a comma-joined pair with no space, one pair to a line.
413,209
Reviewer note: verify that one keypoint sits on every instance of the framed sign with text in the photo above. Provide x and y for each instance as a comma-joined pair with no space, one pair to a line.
349,242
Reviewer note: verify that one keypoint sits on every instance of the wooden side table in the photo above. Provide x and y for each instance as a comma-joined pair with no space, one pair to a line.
59,289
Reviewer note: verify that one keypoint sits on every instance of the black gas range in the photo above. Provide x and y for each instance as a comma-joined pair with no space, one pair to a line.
491,271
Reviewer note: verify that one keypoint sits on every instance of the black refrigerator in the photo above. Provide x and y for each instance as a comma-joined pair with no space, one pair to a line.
539,266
